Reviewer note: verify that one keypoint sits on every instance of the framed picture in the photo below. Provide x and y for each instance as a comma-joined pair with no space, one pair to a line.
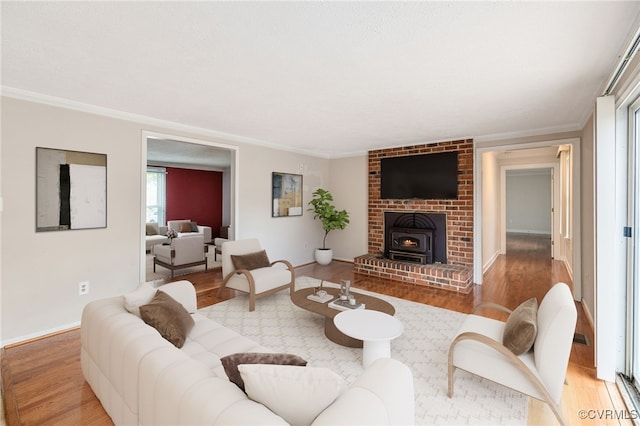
286,195
71,190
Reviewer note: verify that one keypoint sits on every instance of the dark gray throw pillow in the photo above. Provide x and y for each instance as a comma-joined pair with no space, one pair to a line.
231,362
522,327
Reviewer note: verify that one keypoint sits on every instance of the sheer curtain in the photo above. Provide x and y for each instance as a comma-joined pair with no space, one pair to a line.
156,195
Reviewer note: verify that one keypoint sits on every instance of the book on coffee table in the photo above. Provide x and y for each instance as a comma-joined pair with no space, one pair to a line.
320,299
343,305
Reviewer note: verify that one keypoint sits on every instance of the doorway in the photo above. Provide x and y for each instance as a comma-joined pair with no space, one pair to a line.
528,210
189,153
492,159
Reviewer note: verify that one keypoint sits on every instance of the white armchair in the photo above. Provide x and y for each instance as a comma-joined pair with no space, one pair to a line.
246,267
540,372
183,252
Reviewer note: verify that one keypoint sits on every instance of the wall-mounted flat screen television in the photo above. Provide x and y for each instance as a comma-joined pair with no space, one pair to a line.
424,176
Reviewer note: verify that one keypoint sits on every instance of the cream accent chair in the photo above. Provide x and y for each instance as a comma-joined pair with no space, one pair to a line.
183,252
539,373
259,282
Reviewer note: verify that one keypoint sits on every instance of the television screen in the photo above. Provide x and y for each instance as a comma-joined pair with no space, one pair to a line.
425,176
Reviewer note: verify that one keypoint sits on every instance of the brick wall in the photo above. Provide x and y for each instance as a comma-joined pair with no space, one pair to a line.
459,212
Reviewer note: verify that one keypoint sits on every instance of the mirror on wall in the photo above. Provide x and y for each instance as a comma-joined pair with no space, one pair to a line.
71,190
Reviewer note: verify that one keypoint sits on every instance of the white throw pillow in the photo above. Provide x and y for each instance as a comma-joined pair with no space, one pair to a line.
138,297
297,394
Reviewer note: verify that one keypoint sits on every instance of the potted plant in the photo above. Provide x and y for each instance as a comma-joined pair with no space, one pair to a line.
331,219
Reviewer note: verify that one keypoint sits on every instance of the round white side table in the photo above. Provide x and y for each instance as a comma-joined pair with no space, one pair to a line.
375,329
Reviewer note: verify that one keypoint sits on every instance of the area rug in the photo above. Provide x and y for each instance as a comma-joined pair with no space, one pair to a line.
280,325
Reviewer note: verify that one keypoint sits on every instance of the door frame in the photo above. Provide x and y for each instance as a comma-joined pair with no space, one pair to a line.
234,184
493,146
554,212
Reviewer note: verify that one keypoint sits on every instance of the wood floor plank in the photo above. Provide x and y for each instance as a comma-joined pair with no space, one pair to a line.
43,383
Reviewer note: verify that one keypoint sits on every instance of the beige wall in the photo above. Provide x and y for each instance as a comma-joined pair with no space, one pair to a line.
491,209
41,271
349,183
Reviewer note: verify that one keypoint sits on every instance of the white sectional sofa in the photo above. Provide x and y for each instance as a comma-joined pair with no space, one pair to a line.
141,378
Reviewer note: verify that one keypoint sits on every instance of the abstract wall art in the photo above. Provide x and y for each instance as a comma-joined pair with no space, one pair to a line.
71,190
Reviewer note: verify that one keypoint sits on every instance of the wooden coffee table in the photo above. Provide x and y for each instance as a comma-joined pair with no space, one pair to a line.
299,298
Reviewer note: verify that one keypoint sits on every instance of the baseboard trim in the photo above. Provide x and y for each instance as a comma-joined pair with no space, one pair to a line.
38,335
568,266
490,261
588,315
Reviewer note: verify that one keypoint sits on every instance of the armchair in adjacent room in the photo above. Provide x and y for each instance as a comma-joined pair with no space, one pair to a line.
246,267
529,353
183,252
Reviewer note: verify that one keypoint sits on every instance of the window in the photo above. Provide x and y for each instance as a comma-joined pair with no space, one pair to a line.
156,195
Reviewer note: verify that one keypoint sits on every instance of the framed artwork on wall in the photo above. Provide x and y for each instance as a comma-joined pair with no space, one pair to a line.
286,194
71,190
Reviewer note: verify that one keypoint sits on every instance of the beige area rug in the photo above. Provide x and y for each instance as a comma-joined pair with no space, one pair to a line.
162,273
280,325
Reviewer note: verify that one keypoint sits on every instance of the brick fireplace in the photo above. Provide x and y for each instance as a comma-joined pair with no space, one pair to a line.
455,272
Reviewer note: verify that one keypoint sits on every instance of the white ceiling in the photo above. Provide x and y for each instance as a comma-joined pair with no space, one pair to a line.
327,78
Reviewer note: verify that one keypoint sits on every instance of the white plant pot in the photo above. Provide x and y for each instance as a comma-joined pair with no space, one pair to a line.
324,256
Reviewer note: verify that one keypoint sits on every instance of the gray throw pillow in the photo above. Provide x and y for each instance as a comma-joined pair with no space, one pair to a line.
250,261
231,362
169,317
521,327
151,230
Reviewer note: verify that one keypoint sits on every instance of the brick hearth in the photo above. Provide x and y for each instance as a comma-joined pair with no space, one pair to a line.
447,276
457,273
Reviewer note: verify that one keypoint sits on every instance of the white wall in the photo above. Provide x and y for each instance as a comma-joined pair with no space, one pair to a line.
41,271
528,200
491,210
610,257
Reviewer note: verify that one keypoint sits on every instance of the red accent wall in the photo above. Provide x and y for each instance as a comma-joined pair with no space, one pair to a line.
195,195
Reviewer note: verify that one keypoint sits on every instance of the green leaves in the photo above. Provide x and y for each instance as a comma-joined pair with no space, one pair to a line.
323,210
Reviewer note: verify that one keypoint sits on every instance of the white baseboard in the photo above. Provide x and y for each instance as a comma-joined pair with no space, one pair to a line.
569,268
490,261
39,334
588,315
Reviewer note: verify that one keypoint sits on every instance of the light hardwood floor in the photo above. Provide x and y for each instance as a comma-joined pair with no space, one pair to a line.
43,384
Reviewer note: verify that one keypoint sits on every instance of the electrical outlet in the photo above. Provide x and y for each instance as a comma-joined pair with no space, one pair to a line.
83,288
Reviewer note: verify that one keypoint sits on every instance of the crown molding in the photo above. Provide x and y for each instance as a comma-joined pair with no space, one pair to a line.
25,95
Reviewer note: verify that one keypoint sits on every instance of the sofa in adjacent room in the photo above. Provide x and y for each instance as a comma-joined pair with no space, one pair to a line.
185,227
179,371
155,235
